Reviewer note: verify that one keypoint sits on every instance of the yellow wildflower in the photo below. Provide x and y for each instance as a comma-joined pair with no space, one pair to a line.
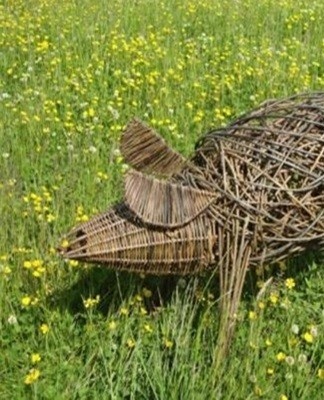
124,311
112,325
35,301
26,300
32,376
308,337
283,397
35,358
290,283
320,373
147,293
44,328
130,343
138,298
27,264
38,272
281,356
261,305
64,244
91,112
252,315
168,343
6,270
73,263
50,218
274,298
293,341
91,302
258,391
42,46
37,263
143,311
148,328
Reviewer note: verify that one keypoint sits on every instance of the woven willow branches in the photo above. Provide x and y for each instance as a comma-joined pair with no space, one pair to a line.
253,192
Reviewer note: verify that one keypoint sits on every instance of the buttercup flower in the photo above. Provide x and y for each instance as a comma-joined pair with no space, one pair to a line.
32,376
308,337
91,302
26,300
274,298
281,356
168,343
252,315
320,373
35,358
44,328
112,325
290,283
130,343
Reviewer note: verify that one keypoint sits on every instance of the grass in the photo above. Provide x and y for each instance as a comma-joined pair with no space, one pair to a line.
71,75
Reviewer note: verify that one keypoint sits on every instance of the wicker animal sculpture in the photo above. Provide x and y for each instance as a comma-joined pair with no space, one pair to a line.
252,193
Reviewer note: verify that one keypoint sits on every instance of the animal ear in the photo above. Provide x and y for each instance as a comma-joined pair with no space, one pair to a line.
162,203
144,150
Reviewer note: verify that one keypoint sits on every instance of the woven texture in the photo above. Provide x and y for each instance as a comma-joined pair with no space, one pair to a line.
264,170
252,193
268,168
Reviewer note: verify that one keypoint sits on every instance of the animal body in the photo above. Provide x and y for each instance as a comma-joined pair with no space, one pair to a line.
252,193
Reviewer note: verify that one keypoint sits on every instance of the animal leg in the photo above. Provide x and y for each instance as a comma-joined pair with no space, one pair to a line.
235,249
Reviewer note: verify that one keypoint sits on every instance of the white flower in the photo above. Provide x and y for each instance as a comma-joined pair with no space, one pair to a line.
314,331
92,149
295,329
12,320
4,96
302,358
116,153
289,376
114,112
290,360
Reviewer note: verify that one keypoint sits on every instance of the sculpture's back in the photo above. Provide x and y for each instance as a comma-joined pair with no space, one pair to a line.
269,164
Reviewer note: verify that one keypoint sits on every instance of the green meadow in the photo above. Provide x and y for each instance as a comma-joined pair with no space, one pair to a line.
72,74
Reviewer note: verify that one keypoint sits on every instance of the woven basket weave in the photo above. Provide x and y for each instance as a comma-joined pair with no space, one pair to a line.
253,192
265,168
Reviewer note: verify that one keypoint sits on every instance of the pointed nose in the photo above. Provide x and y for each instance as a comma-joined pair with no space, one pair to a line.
118,239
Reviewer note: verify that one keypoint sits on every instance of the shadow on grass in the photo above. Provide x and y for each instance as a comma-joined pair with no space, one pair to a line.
113,288
116,287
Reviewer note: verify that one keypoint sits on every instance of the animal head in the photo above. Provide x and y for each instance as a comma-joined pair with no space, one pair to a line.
160,226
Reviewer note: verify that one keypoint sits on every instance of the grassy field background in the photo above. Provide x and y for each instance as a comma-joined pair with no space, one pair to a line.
72,74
